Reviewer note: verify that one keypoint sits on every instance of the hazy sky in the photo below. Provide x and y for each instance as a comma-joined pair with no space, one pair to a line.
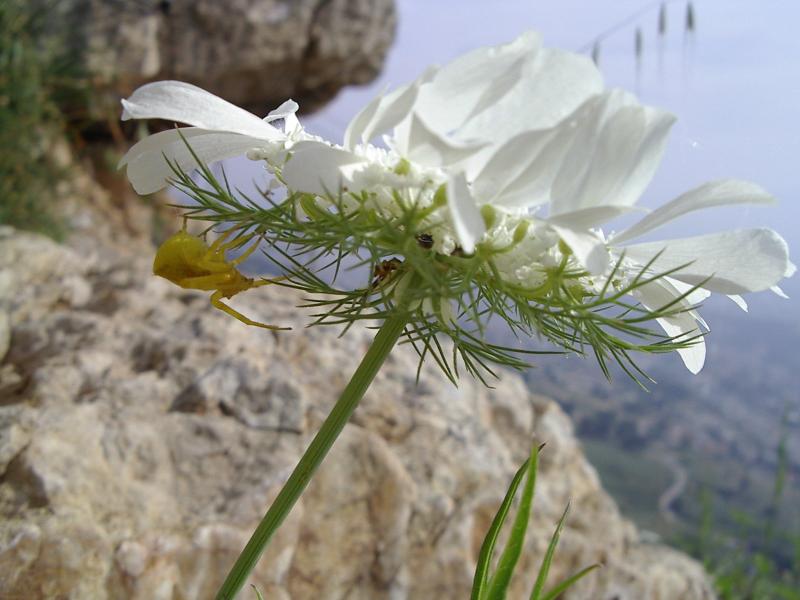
735,89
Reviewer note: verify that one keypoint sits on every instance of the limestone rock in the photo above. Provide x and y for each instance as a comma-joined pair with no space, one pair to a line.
5,334
146,434
255,53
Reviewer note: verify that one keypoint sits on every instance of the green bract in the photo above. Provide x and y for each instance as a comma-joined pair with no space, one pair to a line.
454,294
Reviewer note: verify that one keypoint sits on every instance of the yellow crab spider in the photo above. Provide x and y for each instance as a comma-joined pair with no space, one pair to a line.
186,260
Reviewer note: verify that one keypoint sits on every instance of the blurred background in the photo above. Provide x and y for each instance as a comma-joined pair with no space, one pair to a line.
709,463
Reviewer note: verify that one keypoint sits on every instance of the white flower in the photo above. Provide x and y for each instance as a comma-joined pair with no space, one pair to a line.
508,133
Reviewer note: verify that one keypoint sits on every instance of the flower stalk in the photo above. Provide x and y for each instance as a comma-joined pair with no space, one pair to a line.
384,341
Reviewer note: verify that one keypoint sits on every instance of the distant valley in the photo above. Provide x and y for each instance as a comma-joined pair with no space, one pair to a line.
691,444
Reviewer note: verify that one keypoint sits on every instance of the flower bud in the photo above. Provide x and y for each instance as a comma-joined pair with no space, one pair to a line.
403,167
489,215
521,231
440,197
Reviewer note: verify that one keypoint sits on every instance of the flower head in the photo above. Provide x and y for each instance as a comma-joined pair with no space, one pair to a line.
487,194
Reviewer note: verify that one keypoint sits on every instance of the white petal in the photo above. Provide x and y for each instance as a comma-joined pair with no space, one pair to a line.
508,163
587,123
467,220
185,103
694,356
660,294
429,148
291,124
317,168
157,142
533,185
622,158
148,169
392,110
779,292
360,122
289,107
473,82
715,193
288,112
616,149
384,113
587,218
732,262
648,157
588,247
739,301
552,84
694,296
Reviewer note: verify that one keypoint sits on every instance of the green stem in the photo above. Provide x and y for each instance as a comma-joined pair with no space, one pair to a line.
384,341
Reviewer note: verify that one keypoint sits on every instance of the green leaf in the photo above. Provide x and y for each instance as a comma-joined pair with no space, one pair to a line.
569,582
511,553
536,593
258,594
481,579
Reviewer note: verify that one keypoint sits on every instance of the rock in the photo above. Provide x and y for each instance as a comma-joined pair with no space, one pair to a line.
5,333
369,516
20,545
255,53
151,431
675,575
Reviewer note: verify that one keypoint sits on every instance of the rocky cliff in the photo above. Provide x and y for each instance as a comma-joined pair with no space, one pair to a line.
142,435
255,53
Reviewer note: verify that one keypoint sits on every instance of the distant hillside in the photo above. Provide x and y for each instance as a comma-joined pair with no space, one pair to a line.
716,433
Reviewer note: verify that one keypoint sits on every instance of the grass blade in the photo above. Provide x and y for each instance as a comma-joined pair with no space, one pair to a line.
481,579
258,594
548,558
569,582
511,553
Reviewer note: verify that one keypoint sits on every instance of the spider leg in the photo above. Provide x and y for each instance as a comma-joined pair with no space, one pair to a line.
214,266
216,252
217,244
237,243
245,255
203,282
216,301
260,282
